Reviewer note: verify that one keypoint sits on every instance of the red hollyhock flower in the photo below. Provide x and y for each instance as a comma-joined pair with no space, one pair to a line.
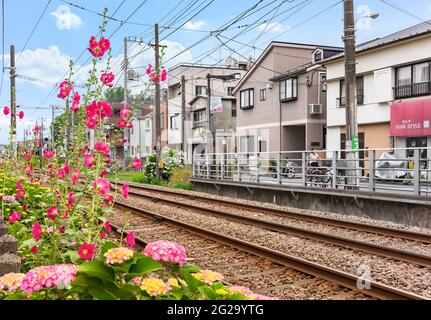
21,115
164,75
34,249
65,89
86,251
6,111
107,226
122,123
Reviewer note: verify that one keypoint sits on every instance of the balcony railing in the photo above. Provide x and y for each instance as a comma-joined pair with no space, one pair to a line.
199,124
412,90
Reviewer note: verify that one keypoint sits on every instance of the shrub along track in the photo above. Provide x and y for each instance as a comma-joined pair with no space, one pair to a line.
266,270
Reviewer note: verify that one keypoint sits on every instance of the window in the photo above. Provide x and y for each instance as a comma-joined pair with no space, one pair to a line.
289,89
242,66
318,56
199,118
246,144
201,90
413,80
230,91
359,92
147,124
174,122
247,99
263,95
262,146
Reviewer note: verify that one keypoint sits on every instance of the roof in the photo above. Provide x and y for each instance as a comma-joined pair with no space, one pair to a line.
280,44
403,35
196,98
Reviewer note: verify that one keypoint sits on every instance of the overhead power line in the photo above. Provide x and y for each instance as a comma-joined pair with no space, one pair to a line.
401,9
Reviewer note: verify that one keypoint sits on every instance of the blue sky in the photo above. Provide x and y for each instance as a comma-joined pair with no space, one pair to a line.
64,31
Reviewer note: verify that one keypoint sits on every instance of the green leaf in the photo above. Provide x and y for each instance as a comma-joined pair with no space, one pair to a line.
28,243
208,292
192,283
191,268
73,255
109,291
97,269
106,246
144,265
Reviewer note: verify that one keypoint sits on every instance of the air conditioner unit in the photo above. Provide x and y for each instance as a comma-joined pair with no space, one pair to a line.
314,109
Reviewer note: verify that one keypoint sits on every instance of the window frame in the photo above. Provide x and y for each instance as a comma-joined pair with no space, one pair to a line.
231,89
199,88
293,88
360,101
262,94
411,89
250,104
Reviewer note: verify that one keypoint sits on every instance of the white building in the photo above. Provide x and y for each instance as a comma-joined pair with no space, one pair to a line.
393,92
141,137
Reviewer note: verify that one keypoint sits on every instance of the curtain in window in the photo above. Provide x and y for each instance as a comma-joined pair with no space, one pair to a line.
421,73
404,76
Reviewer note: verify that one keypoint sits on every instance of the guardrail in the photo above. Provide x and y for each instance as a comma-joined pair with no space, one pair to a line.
404,171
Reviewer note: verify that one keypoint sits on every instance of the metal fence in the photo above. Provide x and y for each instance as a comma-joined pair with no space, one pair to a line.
404,171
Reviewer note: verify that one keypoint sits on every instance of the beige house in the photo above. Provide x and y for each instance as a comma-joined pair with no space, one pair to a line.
223,123
282,99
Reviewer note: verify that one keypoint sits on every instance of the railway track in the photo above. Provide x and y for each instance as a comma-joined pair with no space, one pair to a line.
290,263
382,250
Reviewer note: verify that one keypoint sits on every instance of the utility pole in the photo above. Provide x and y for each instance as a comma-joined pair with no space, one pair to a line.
41,143
12,101
183,115
350,83
157,97
126,97
209,135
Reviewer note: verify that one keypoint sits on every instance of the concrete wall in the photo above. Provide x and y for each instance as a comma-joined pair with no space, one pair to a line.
9,261
411,211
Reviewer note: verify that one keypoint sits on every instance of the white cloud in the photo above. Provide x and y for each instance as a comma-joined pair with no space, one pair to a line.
194,25
271,27
66,19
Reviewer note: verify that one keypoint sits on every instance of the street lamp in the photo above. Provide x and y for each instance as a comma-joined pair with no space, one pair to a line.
372,15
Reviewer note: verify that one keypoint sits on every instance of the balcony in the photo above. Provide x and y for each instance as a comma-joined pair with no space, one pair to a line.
199,124
412,90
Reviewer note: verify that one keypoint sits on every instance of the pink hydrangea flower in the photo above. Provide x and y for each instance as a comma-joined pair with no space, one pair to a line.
102,186
163,250
48,277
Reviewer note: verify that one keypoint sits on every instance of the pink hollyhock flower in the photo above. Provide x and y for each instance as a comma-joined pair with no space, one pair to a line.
21,115
125,112
107,160
65,88
107,226
129,125
28,156
122,123
103,235
98,49
86,251
66,167
62,229
125,190
107,78
149,69
137,164
60,276
109,199
53,213
84,150
75,176
102,186
70,199
76,101
163,250
60,173
34,249
6,111
48,154
36,230
102,148
90,160
103,173
15,216
130,239
164,75
91,123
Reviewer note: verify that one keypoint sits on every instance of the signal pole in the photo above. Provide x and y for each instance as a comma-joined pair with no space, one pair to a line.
183,115
12,101
350,75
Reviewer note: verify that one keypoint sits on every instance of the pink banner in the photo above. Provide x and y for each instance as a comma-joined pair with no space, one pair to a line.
411,119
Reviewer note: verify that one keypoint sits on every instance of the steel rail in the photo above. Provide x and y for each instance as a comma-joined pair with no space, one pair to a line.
357,226
388,252
377,290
